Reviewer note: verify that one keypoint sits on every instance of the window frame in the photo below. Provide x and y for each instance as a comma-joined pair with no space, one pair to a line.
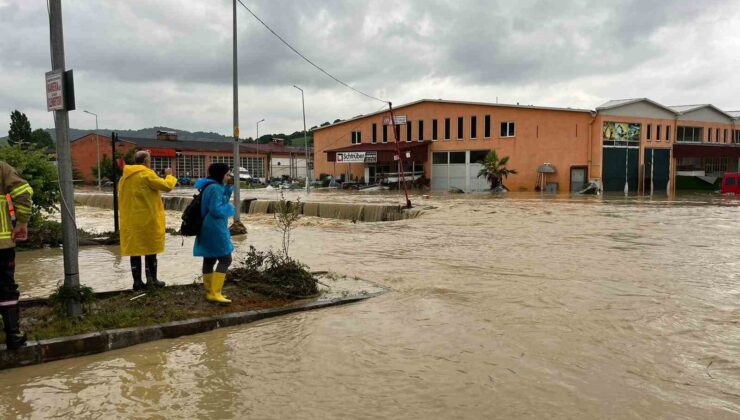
648,132
510,129
374,139
473,127
409,131
487,124
448,129
434,130
385,133
460,128
421,130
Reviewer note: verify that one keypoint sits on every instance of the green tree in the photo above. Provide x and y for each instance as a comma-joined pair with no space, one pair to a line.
107,164
41,139
495,170
20,128
41,174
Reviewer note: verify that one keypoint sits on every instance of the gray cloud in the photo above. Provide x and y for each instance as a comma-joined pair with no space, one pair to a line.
142,60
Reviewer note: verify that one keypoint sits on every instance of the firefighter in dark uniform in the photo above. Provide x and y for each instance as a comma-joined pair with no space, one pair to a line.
15,211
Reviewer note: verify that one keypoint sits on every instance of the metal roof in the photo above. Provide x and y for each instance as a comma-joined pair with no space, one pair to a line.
683,109
623,102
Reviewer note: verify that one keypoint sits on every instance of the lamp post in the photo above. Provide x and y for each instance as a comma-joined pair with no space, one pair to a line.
257,140
97,141
305,138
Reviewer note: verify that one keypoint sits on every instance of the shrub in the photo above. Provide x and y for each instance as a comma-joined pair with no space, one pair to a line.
41,174
274,275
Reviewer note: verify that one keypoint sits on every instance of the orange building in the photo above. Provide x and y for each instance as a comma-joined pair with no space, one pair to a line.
636,142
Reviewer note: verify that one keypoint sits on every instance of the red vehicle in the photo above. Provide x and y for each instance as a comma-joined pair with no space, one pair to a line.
730,183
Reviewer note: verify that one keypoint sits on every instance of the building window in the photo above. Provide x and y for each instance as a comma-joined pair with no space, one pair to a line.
709,135
508,129
716,136
228,160
689,134
356,137
408,130
255,165
473,127
191,166
658,128
487,127
649,132
434,129
397,133
736,136
375,133
667,133
385,134
460,128
159,164
715,165
447,128
421,130
725,137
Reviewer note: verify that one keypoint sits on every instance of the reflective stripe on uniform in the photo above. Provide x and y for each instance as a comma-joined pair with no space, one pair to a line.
25,188
9,303
23,209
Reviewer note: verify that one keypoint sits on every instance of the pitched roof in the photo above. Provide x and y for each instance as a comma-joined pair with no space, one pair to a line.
683,109
623,102
735,114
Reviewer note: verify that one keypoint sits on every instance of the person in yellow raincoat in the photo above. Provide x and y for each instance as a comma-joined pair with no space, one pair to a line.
142,217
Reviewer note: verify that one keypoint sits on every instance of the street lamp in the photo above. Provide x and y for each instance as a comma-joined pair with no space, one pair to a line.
262,170
305,138
97,141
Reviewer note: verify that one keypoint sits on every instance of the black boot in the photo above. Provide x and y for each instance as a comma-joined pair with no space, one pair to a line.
136,272
14,337
151,272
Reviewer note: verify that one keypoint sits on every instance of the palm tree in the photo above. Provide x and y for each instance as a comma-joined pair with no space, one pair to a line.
495,170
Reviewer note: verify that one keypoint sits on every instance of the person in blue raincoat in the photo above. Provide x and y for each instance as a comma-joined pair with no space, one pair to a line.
213,243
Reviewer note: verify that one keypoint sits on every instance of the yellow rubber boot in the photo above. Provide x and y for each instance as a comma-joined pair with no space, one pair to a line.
217,285
207,279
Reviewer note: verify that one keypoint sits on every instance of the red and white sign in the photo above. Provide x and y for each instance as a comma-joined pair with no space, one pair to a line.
54,91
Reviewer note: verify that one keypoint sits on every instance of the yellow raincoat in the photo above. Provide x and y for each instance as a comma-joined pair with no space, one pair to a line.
142,211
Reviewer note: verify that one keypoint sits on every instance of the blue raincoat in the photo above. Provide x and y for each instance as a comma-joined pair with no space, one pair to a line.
214,239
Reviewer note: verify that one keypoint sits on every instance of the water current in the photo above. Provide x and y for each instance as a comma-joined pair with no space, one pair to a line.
517,307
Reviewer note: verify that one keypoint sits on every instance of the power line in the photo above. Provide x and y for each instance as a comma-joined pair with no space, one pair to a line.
306,59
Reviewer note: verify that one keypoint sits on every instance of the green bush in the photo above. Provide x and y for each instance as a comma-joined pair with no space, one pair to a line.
274,275
40,173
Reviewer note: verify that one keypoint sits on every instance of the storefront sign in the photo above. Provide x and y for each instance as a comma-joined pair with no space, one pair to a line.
400,120
54,91
357,157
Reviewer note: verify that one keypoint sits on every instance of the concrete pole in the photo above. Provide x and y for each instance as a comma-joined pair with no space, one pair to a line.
237,164
305,138
262,170
64,163
97,143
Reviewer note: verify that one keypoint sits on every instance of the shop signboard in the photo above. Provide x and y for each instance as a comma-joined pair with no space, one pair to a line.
400,120
357,157
615,133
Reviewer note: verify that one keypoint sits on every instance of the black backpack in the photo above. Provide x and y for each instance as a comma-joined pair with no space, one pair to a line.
192,220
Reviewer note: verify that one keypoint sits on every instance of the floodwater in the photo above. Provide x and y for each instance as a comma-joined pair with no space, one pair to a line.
518,307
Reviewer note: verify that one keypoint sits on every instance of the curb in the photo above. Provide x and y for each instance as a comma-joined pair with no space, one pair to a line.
42,351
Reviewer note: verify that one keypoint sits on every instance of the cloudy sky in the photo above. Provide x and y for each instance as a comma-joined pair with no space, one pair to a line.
144,63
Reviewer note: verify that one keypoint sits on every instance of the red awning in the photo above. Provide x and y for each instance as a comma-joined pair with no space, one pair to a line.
706,150
386,151
157,152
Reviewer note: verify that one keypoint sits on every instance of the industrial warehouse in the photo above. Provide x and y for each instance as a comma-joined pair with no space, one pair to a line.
191,158
637,145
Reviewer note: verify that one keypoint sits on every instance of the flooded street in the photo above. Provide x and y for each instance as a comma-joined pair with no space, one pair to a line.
585,307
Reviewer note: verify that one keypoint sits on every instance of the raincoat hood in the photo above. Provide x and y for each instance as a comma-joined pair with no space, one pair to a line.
203,182
129,170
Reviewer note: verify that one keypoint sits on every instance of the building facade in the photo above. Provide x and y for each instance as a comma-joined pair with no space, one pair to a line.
191,158
637,144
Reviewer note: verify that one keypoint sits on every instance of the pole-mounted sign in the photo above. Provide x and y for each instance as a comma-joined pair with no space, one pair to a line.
55,91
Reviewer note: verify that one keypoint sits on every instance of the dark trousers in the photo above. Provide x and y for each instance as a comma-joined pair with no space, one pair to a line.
223,264
151,267
8,288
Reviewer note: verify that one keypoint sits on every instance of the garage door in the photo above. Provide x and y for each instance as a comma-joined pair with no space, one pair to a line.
659,172
614,163
448,170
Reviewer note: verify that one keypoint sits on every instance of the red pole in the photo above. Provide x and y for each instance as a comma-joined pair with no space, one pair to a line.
400,157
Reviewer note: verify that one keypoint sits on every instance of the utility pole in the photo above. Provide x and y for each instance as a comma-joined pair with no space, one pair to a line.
305,138
113,140
64,163
402,177
262,170
237,227
97,142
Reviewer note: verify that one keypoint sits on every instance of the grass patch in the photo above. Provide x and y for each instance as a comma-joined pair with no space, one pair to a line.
175,303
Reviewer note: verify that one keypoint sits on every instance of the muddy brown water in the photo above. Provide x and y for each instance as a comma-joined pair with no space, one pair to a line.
519,307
